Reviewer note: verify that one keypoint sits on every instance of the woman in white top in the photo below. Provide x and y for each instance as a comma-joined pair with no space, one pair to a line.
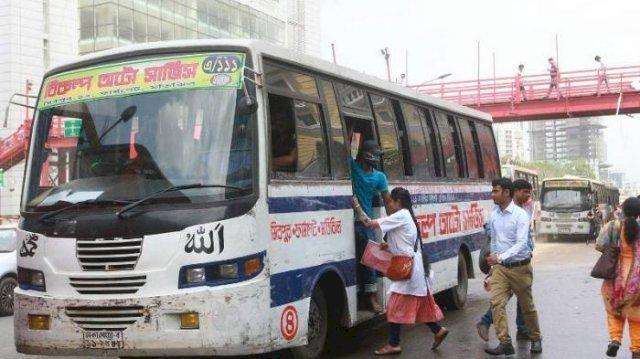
411,300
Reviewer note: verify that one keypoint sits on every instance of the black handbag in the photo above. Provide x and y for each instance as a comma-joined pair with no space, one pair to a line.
607,265
485,251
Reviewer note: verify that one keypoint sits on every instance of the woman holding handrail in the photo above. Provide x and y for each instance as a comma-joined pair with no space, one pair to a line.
411,299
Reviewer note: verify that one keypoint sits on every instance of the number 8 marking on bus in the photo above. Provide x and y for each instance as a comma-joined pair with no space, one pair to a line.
289,322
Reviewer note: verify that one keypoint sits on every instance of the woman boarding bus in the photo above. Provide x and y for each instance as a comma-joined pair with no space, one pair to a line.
194,198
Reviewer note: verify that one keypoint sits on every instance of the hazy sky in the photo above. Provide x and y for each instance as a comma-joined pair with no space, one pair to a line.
441,37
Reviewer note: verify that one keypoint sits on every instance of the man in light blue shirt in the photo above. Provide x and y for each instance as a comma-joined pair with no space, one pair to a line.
522,198
511,270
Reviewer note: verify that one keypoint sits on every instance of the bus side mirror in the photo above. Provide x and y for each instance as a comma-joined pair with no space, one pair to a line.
247,105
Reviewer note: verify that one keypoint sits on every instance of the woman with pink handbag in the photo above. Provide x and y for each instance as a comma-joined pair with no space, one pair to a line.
411,299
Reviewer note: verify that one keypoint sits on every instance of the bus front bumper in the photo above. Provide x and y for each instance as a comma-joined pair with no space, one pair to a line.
560,228
231,322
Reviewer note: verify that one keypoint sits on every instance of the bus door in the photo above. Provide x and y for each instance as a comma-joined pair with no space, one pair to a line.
310,219
357,114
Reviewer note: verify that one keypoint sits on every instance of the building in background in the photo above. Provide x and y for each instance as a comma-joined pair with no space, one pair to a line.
38,34
617,178
571,140
108,24
34,35
511,139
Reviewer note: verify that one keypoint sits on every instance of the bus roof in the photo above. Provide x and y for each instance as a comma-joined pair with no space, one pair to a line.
565,178
572,178
270,51
521,169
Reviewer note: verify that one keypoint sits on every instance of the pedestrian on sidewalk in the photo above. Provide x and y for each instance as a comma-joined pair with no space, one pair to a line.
554,73
518,84
511,270
367,183
522,198
622,294
411,300
602,75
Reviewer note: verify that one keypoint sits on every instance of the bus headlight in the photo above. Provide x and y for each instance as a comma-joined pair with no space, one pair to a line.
220,273
195,275
31,279
228,270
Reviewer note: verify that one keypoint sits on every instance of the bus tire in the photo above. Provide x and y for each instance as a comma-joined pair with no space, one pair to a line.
456,297
7,285
318,327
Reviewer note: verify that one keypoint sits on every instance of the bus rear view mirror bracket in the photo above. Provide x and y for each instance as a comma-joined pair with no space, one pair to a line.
247,105
12,102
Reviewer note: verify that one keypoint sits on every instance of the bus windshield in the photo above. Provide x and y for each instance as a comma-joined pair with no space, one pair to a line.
565,200
126,148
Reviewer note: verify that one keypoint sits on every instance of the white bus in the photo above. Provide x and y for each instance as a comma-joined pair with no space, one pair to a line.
568,202
156,219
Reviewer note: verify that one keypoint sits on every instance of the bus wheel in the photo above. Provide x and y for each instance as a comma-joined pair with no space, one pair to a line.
318,328
7,285
456,297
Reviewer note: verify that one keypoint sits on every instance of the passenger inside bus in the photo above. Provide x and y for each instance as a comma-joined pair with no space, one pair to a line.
284,152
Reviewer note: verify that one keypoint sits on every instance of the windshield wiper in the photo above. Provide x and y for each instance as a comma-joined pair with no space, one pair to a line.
172,189
44,218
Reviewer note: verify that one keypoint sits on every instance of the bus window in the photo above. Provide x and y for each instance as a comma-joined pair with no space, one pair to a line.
490,159
450,154
385,121
403,137
473,168
297,141
287,81
353,101
421,150
478,149
432,138
338,149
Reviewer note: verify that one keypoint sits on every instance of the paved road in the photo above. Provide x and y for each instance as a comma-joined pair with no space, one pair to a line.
569,304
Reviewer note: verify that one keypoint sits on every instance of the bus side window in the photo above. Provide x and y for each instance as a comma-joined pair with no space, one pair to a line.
457,145
386,123
477,149
433,138
338,149
450,151
422,159
467,134
403,137
298,147
353,101
490,159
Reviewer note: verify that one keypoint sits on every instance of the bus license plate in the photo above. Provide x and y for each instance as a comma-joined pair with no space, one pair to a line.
103,339
564,230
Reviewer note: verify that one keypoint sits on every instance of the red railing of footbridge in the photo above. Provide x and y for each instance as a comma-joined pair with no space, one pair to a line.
503,89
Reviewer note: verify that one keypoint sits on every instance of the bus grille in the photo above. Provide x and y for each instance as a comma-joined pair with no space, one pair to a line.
108,254
108,285
104,318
